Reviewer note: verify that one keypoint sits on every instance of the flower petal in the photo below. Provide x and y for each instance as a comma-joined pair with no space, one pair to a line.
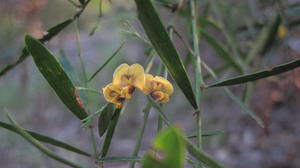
118,77
165,85
138,76
148,86
112,93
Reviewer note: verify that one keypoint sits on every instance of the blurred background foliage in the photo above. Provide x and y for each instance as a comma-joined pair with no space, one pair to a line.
233,27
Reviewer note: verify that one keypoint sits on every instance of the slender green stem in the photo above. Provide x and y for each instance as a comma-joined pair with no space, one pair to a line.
83,70
38,145
93,139
85,81
141,134
199,80
98,20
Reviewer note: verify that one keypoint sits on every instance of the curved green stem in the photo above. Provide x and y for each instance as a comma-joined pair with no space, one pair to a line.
38,145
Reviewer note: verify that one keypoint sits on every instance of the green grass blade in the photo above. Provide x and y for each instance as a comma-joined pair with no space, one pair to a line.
106,62
55,75
105,118
45,139
165,48
110,132
39,146
120,158
258,75
206,133
50,34
264,39
222,52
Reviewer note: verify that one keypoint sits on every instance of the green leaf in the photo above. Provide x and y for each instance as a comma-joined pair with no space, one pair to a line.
265,39
206,133
55,75
119,158
45,139
165,48
106,62
50,34
172,144
222,52
53,31
39,146
110,132
105,118
258,75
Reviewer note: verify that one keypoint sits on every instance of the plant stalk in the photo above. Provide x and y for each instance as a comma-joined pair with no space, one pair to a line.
141,134
199,80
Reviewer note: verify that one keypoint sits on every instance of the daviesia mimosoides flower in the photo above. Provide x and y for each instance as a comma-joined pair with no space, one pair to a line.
158,87
125,79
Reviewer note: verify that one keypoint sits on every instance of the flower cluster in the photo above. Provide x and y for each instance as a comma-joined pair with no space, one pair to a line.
128,78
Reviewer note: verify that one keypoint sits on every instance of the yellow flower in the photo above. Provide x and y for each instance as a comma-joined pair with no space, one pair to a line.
129,78
158,87
112,93
282,31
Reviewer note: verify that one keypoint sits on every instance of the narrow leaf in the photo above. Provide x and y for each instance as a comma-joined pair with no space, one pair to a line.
110,132
206,133
106,62
120,158
258,75
39,146
55,75
164,47
45,139
50,34
105,118
53,31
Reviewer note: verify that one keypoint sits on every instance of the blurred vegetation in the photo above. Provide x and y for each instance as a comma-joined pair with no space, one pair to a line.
197,45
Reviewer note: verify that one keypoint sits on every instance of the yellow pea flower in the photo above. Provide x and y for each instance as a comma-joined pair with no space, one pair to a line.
129,78
158,87
112,93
